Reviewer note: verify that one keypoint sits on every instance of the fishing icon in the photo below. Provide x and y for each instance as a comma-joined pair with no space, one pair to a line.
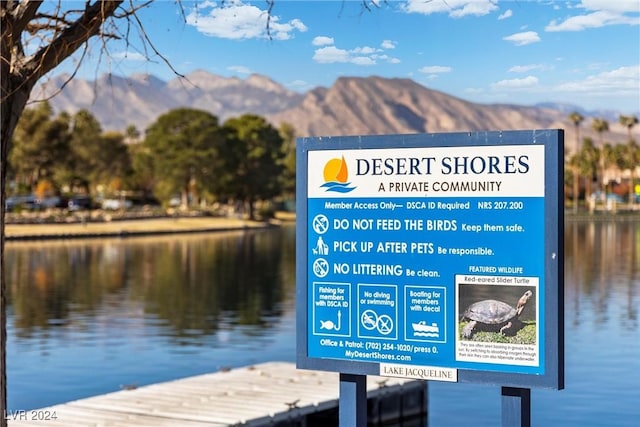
329,325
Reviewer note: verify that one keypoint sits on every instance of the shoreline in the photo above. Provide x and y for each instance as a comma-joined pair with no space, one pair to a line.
159,226
131,228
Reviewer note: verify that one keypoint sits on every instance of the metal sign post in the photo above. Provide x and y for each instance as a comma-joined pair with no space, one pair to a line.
516,407
352,410
433,257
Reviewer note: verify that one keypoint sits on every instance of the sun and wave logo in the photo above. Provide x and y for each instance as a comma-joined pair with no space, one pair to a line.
336,176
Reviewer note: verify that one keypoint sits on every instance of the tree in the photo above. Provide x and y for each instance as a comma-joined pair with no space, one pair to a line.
52,36
132,135
114,162
609,156
142,177
53,32
288,180
628,158
85,148
600,126
96,157
576,118
183,146
632,155
253,155
587,162
41,143
629,122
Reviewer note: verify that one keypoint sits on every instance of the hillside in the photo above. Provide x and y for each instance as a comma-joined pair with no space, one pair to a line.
375,105
139,100
352,106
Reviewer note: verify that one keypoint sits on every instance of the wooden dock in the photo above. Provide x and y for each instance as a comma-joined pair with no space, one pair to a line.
268,394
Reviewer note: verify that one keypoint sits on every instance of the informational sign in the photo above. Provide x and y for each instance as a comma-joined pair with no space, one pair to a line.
434,256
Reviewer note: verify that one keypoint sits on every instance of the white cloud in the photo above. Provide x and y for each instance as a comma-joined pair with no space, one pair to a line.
322,41
362,60
455,8
129,56
521,39
236,20
240,69
623,81
362,55
526,68
526,82
365,50
596,19
435,69
600,13
621,6
331,54
507,14
388,44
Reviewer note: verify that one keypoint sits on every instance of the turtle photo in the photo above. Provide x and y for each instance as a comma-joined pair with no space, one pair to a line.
494,316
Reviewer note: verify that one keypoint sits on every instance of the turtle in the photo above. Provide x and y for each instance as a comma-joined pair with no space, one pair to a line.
493,315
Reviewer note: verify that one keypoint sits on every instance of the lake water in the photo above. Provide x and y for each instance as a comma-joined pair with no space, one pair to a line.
90,317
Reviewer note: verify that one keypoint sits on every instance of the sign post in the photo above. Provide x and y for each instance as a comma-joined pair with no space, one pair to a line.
516,407
352,411
434,257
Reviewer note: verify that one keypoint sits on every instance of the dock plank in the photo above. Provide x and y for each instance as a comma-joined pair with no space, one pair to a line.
252,396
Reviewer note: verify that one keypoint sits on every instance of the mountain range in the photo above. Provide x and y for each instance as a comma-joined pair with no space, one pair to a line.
352,106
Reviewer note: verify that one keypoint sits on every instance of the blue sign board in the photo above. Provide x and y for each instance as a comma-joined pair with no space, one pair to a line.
432,256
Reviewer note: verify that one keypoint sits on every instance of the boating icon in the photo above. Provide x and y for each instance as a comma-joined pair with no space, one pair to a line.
421,329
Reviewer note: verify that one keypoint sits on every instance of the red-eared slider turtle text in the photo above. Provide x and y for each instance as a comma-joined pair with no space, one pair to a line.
493,315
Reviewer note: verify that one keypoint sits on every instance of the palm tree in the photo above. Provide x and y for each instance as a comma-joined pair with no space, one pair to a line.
610,159
627,157
600,126
576,118
631,159
629,122
587,162
631,153
634,154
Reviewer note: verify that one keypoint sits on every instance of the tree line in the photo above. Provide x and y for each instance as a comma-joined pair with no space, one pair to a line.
591,164
185,152
188,153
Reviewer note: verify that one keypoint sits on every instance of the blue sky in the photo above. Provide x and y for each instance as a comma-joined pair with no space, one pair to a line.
489,51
